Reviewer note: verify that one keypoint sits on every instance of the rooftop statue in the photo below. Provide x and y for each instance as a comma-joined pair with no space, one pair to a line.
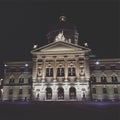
60,37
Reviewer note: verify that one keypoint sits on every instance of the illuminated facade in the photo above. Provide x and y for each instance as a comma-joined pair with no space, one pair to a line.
62,70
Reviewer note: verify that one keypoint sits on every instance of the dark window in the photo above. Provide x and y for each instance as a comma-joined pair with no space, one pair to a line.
49,72
48,93
72,93
29,91
103,79
113,67
115,90
102,67
71,71
60,93
93,79
20,91
104,90
11,81
21,80
10,91
60,71
29,80
114,79
94,90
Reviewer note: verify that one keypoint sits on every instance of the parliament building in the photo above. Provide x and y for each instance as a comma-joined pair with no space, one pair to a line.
62,70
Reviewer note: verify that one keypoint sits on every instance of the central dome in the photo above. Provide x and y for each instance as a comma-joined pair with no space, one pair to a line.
69,31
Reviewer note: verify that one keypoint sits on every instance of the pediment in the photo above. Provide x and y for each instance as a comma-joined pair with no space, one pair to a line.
59,47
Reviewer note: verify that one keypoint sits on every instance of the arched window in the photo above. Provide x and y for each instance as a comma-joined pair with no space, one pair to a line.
72,93
71,70
48,93
60,70
21,80
103,79
49,71
11,80
60,93
93,79
114,79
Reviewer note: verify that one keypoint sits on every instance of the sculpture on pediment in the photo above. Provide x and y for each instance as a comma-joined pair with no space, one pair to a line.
60,37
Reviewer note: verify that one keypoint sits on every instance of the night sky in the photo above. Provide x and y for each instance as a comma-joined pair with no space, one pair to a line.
23,24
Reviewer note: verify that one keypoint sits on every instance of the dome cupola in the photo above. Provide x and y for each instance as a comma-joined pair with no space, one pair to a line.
66,28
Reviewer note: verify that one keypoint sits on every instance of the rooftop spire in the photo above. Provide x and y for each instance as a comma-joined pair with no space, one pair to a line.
62,18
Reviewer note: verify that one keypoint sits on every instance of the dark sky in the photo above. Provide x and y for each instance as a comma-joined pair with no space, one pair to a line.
23,24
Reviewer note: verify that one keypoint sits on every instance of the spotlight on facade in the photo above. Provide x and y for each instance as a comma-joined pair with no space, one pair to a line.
26,65
5,65
86,44
97,63
35,46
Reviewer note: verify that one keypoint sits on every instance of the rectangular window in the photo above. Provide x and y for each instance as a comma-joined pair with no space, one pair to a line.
104,90
10,91
94,90
29,91
20,91
115,90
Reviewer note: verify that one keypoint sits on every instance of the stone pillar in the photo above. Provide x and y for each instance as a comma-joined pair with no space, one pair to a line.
77,67
66,68
87,70
66,91
54,70
34,73
44,70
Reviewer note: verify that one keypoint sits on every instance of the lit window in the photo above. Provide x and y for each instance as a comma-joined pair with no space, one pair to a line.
49,72
71,71
60,71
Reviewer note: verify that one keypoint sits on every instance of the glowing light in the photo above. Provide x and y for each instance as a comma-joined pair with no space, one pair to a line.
86,44
97,63
35,46
5,65
26,65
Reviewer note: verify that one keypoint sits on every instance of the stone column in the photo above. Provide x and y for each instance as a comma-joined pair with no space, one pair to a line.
77,67
54,70
34,73
66,68
44,69
87,70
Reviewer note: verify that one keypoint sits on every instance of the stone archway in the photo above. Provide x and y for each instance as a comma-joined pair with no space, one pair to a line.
72,93
60,93
48,93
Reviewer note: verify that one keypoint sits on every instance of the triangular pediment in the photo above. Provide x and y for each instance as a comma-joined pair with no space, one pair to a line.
60,47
